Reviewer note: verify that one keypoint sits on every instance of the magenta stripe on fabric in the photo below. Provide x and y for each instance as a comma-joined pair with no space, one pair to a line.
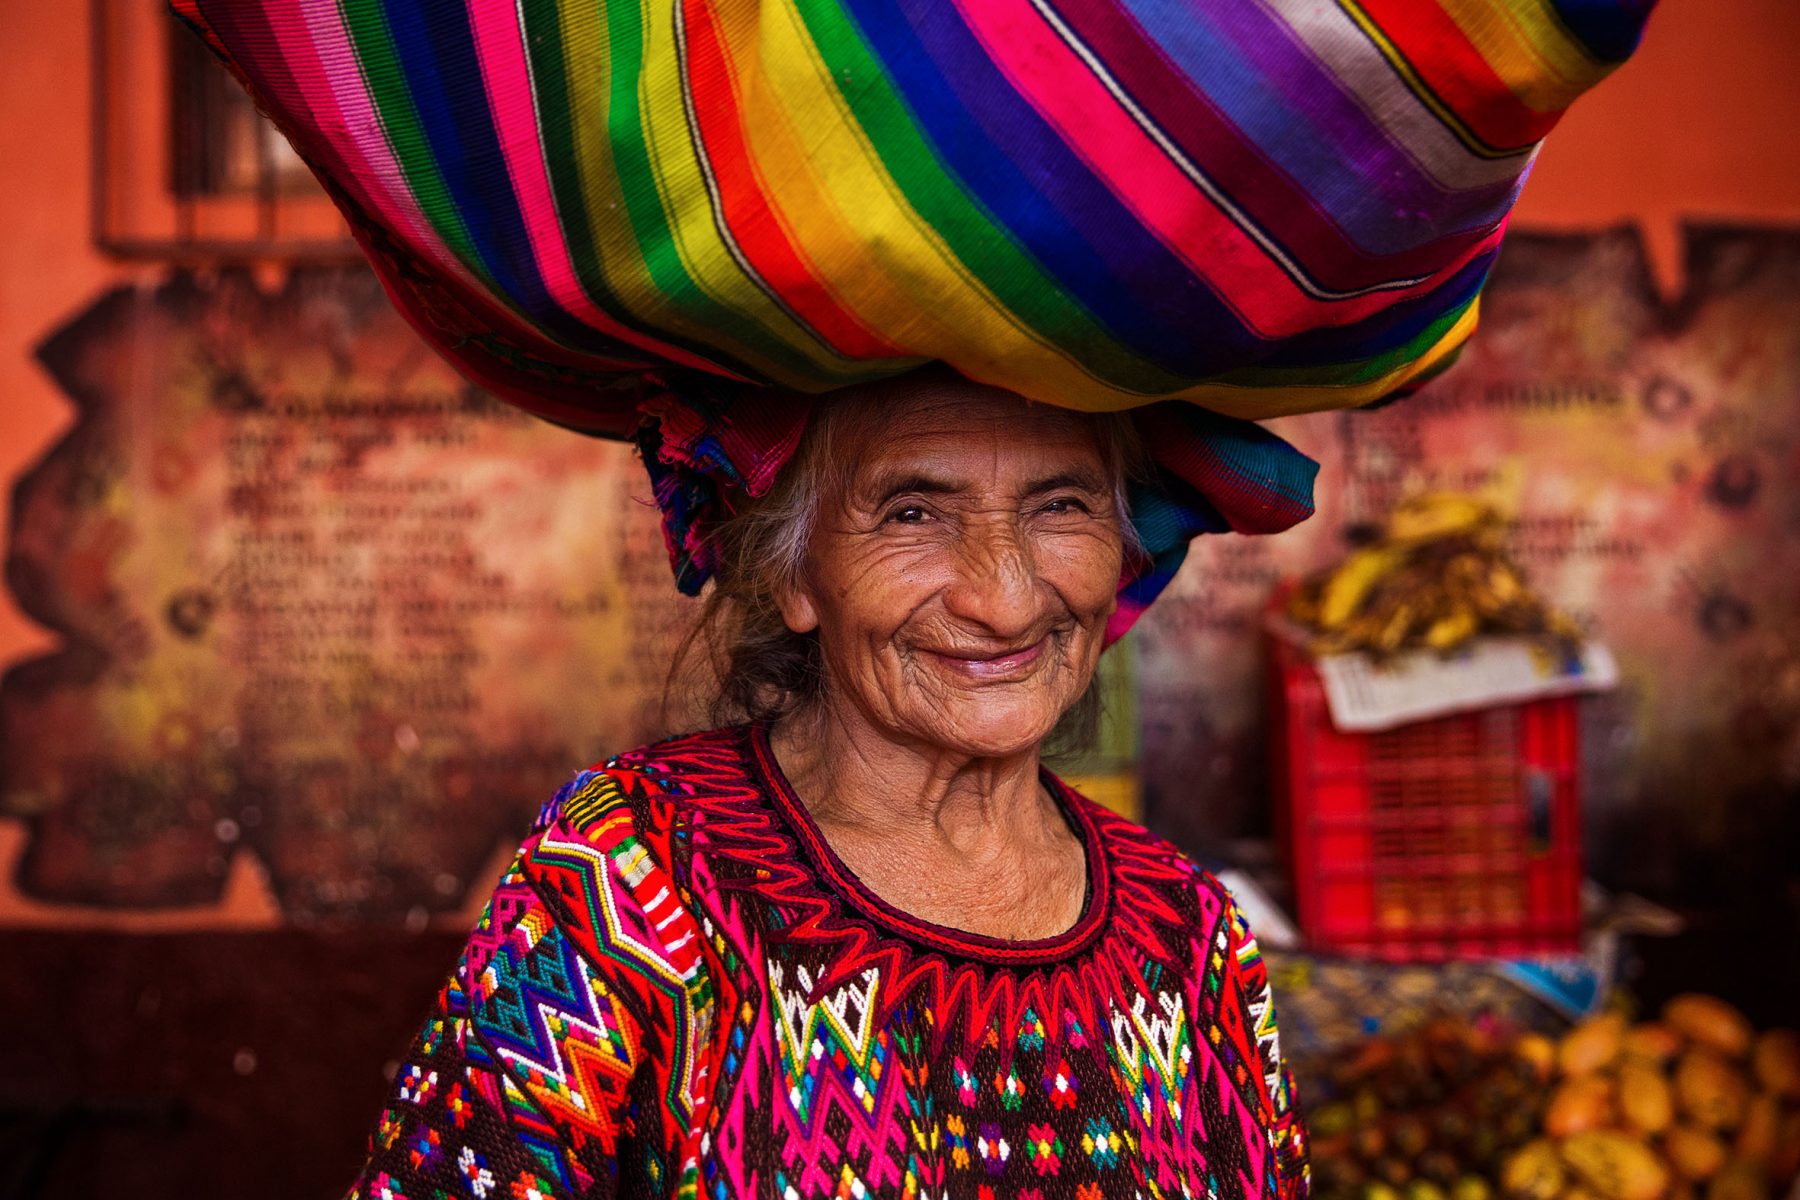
356,136
1049,73
1219,148
1061,86
1383,96
1324,132
311,34
511,99
1062,89
352,151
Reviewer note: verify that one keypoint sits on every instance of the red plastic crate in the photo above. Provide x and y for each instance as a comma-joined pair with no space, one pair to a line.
1456,837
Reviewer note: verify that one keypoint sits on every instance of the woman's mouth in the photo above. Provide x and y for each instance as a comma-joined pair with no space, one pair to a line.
993,666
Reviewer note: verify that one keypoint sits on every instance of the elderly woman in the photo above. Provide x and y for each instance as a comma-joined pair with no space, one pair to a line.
857,941
863,942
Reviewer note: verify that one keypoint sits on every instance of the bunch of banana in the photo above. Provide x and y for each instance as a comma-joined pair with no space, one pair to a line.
1437,576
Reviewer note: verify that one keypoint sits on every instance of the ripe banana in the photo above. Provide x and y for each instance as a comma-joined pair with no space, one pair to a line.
1438,515
1347,586
1439,576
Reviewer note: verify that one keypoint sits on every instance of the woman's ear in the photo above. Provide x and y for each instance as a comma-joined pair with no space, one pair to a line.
798,612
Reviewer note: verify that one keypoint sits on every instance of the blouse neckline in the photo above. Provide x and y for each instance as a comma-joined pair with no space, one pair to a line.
961,942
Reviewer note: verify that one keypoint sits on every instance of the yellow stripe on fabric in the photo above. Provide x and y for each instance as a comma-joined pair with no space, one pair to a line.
1523,43
668,139
588,65
585,45
813,216
859,232
1265,400
797,198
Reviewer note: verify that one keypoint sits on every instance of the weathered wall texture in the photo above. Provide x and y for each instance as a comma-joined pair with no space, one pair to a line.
1650,453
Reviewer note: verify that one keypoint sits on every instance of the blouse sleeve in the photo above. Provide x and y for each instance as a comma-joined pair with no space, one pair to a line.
537,1070
1292,1161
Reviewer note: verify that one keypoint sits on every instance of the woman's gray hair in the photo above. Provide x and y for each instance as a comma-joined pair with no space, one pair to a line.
763,669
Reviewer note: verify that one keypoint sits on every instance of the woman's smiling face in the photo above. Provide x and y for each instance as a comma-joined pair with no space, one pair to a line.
960,585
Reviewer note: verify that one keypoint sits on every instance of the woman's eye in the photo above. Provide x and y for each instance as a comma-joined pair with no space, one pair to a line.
1065,504
906,514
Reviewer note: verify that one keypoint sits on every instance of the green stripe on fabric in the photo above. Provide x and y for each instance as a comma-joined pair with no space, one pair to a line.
648,222
386,82
986,251
1347,374
545,45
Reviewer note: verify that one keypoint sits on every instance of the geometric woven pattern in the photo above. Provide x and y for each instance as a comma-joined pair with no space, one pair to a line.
676,991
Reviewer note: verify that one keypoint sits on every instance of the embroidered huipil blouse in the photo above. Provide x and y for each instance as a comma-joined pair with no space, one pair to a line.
677,989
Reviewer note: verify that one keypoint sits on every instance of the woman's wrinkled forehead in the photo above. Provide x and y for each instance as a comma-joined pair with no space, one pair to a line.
965,431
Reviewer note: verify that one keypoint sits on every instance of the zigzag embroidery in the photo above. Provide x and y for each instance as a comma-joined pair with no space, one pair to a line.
1261,1003
733,820
855,1036
631,917
552,1021
836,1035
1152,1048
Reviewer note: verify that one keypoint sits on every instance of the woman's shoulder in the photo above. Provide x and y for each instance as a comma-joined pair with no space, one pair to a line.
649,783
603,858
686,760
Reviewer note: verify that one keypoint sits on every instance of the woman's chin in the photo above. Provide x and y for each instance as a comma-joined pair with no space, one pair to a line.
988,726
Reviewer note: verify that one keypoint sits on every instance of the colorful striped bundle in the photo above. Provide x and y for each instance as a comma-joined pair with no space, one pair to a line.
1267,206
1260,206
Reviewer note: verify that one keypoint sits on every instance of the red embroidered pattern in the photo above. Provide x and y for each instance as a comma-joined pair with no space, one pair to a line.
680,990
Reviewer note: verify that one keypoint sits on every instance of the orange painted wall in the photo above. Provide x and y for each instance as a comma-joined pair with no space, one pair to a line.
49,268
1701,123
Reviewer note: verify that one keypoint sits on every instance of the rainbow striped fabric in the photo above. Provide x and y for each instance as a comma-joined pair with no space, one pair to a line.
1260,206
1266,206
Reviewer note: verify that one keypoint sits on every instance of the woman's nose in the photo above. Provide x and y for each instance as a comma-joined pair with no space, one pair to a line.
995,578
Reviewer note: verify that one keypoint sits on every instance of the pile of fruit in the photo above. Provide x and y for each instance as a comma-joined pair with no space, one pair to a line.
1429,1115
1696,1104
1436,576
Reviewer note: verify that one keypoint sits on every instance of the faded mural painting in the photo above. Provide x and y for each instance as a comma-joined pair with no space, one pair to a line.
322,603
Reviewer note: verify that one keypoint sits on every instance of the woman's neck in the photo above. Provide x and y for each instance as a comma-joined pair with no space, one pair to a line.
848,772
972,842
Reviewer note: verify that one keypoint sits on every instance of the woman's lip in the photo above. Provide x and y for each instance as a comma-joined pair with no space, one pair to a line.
1001,664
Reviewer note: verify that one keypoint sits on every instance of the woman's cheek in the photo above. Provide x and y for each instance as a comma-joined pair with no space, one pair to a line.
896,579
1085,568
881,594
